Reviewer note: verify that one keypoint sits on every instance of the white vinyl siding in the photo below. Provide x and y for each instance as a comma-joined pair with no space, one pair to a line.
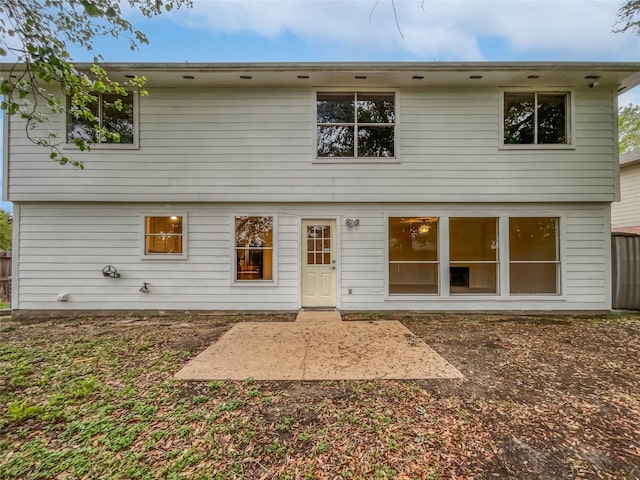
626,213
62,248
255,144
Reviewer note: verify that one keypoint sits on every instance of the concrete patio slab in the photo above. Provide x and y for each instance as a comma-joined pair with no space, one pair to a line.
318,316
318,351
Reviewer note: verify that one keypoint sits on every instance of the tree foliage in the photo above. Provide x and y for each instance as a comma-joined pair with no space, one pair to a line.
629,128
629,17
5,231
35,35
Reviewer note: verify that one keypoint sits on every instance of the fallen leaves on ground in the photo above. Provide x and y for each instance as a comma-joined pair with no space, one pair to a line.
544,397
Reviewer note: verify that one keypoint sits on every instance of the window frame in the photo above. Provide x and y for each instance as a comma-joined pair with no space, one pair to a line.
437,262
503,268
164,256
356,159
496,262
274,251
570,116
135,145
560,264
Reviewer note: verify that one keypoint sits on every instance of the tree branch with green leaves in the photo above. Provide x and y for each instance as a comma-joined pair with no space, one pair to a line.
629,128
628,17
35,36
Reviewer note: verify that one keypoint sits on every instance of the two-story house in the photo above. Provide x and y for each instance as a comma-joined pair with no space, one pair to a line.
357,186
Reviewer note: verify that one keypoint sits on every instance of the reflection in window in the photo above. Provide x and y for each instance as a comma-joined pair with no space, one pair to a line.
355,124
473,253
413,255
534,255
254,248
535,118
111,111
163,235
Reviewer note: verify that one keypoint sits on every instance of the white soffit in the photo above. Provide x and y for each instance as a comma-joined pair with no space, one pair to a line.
622,76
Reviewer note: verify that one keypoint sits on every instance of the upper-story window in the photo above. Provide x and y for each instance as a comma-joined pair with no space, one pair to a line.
536,118
356,124
114,112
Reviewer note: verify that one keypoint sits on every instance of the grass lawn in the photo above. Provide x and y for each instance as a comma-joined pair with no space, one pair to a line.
4,306
543,398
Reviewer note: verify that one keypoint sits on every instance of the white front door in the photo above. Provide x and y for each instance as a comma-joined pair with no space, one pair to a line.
319,263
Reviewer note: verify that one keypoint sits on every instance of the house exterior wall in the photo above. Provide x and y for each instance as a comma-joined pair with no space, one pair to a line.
213,153
625,215
62,248
258,145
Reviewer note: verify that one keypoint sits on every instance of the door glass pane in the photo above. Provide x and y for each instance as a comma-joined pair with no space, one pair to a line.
318,245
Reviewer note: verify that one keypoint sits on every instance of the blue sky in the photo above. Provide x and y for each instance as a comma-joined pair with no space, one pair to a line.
366,30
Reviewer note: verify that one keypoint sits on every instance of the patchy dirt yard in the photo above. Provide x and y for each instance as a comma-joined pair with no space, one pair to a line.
545,397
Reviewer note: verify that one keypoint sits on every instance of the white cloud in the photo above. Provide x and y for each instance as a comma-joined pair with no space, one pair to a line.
432,29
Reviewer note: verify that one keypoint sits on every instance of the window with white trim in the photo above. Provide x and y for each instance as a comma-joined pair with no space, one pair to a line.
473,255
356,124
164,235
536,118
413,255
114,112
253,248
534,255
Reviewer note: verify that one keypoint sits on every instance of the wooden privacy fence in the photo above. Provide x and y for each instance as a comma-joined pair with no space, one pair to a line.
625,270
5,274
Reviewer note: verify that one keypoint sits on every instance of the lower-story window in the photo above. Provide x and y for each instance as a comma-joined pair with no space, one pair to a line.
254,248
163,235
534,255
413,255
473,255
